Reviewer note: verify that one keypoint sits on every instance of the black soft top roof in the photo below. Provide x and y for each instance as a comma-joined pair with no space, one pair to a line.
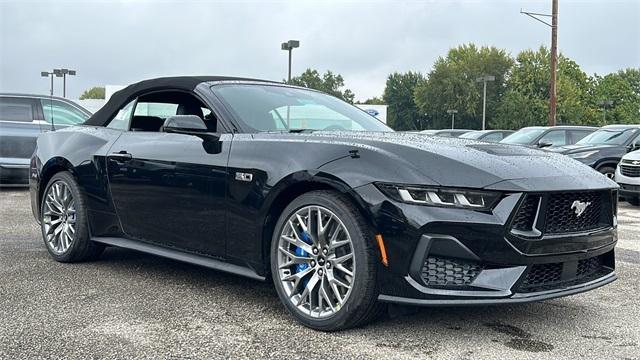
122,97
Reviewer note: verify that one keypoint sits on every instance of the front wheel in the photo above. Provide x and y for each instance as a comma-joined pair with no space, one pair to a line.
323,262
64,224
608,171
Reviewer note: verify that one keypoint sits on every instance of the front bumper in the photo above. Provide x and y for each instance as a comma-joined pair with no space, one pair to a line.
629,186
444,256
515,299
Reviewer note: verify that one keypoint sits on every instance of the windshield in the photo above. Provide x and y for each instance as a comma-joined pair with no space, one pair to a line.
607,137
523,136
472,135
280,108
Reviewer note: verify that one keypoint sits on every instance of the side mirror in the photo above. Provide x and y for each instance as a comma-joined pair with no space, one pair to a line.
193,125
184,124
633,147
543,144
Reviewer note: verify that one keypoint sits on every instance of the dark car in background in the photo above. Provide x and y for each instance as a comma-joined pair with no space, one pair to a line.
446,132
603,149
272,181
546,136
24,117
487,135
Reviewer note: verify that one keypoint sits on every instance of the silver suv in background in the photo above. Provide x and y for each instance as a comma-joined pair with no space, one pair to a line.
22,118
546,136
628,177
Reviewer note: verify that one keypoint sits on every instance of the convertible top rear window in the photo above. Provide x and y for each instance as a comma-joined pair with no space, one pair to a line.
281,108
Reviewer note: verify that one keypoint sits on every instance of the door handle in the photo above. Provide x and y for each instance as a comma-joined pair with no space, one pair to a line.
120,156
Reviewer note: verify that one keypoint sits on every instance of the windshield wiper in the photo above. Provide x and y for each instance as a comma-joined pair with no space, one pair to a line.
300,130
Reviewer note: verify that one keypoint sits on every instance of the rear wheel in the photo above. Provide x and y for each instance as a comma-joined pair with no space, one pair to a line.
323,263
64,223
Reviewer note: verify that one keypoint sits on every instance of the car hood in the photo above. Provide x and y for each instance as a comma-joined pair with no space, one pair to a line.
460,162
635,155
572,149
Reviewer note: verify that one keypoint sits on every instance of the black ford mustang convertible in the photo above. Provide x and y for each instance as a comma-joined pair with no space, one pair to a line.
273,181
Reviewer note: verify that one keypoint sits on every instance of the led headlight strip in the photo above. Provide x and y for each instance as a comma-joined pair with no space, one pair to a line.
446,197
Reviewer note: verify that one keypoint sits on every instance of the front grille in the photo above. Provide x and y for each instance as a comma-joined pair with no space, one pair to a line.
443,272
543,277
630,170
559,213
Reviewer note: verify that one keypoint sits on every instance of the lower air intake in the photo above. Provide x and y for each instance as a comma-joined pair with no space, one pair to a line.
444,272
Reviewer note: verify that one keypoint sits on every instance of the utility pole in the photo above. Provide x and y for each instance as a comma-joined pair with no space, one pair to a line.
553,95
289,46
553,101
484,79
453,113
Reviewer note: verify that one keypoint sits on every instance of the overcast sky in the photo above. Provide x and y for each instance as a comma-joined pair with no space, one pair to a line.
113,42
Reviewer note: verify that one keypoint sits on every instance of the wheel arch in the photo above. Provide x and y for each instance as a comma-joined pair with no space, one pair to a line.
49,169
290,188
607,163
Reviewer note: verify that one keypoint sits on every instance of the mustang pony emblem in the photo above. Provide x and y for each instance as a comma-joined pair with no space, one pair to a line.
579,207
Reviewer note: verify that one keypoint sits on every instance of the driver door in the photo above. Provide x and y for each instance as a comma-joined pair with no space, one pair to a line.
169,189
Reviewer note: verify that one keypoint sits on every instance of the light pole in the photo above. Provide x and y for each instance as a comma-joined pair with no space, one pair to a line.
63,73
484,79
605,104
289,46
48,74
453,113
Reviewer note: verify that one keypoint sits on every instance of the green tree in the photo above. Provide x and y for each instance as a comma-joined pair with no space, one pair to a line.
329,83
373,101
451,84
96,92
623,90
526,101
402,111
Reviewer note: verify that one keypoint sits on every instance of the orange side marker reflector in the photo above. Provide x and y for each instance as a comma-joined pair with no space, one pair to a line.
383,250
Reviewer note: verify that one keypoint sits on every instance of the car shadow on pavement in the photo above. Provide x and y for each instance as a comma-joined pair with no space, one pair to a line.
492,321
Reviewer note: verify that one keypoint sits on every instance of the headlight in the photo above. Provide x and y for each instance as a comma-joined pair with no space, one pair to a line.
437,196
583,155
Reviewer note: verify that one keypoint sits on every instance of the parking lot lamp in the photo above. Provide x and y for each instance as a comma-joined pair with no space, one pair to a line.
453,113
63,73
289,46
605,104
484,79
48,74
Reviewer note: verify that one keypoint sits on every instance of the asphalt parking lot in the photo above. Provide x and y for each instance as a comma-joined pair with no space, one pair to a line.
129,304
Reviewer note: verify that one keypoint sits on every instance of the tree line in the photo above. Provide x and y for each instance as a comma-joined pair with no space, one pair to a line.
518,97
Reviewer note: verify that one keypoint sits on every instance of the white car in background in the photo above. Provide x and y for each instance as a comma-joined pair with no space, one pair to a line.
628,177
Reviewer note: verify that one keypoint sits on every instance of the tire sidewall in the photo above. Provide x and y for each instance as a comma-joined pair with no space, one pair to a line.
363,262
82,231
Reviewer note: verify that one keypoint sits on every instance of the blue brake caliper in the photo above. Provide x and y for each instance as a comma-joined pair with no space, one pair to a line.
304,236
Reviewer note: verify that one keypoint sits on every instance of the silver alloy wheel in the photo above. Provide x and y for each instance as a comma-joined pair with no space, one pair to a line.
315,261
59,217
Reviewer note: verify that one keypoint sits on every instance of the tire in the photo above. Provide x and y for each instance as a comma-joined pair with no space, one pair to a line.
359,305
635,201
608,171
68,214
